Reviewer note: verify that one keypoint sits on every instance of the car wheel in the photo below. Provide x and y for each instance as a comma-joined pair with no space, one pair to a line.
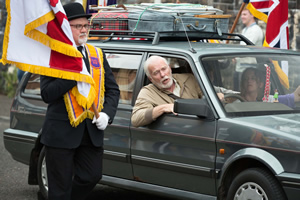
42,174
255,183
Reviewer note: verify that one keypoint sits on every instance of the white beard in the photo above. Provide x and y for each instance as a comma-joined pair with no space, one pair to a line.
165,86
82,41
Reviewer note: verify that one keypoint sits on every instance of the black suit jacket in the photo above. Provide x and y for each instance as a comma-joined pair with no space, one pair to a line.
57,130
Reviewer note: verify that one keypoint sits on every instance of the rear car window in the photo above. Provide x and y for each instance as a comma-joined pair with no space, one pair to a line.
124,67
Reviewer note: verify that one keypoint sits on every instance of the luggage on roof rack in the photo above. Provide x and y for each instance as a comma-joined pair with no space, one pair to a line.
109,21
158,21
169,18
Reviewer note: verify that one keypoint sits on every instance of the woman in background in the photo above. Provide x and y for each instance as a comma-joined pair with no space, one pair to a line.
252,88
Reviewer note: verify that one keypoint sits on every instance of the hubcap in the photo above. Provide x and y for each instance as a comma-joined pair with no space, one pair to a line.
250,191
44,174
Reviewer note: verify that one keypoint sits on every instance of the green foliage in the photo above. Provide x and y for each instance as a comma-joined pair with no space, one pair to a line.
9,83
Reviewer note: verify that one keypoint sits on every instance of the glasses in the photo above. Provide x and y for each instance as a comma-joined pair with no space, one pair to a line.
80,26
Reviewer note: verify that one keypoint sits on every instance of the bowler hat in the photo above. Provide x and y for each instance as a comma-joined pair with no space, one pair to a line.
74,11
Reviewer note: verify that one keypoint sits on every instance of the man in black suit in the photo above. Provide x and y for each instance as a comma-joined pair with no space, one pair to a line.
74,154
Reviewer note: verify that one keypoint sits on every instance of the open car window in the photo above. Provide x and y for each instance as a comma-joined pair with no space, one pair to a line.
255,84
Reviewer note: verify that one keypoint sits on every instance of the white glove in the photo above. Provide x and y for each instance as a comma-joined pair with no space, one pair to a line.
102,121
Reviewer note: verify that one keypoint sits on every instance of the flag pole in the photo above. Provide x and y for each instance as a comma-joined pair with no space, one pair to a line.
236,20
95,111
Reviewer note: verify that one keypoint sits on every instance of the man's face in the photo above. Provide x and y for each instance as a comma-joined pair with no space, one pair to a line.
247,17
160,74
79,35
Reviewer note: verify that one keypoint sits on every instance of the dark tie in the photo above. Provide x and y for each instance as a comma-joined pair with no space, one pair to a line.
80,49
87,64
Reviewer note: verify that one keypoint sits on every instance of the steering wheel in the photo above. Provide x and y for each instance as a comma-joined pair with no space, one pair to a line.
235,96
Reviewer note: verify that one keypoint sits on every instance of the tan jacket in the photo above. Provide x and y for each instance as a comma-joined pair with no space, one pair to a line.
150,96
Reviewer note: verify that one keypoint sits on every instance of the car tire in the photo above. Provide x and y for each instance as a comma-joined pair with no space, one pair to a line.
255,183
42,174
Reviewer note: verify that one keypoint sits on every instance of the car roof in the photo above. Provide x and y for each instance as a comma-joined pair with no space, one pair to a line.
201,48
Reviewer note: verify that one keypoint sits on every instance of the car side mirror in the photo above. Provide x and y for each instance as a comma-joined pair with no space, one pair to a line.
198,107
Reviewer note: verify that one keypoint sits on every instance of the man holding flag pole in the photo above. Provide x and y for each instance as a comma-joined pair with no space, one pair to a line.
80,147
41,37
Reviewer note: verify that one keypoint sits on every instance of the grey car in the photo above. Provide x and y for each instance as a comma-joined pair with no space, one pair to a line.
225,149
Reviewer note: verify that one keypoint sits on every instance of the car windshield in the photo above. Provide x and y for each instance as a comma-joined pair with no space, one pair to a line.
256,84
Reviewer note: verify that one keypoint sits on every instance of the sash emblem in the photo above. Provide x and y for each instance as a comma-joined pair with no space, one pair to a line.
95,62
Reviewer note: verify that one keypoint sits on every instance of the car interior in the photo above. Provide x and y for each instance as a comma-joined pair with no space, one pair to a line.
223,72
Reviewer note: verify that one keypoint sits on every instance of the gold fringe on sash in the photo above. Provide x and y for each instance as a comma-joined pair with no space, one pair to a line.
82,100
73,99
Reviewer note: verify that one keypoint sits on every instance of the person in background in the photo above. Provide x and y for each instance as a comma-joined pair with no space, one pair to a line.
251,31
74,154
252,89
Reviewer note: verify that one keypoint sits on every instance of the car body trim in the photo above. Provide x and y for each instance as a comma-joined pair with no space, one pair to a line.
19,135
174,166
24,112
290,184
172,133
111,155
289,179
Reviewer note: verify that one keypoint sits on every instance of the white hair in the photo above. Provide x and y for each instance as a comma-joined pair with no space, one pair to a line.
152,60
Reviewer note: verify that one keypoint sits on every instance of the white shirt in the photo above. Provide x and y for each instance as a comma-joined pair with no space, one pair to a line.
254,34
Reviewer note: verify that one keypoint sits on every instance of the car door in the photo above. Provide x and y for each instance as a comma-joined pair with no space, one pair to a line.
116,160
176,151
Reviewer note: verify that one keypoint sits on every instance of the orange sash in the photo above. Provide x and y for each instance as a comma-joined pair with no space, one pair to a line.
76,112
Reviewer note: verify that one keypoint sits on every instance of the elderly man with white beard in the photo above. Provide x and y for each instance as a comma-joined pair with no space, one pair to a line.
158,98
72,135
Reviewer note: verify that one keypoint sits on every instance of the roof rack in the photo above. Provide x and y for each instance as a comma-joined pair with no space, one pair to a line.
161,7
167,36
